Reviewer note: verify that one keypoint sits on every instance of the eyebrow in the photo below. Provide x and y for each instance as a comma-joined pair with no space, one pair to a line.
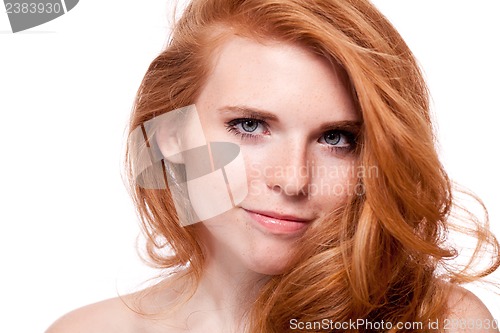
249,112
353,126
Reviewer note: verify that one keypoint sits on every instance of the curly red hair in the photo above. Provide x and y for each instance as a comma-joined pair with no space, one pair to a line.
384,256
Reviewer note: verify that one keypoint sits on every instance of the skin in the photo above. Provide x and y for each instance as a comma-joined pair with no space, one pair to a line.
303,94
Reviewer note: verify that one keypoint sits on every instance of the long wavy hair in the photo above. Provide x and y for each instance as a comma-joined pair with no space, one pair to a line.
385,256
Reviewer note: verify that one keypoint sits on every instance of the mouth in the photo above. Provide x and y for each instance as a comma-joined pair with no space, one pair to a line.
279,224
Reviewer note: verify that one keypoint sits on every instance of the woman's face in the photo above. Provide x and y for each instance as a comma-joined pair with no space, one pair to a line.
296,125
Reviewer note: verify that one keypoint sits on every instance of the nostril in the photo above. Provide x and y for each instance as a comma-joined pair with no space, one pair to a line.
290,188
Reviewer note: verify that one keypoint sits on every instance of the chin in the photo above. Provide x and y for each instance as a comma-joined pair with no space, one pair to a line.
246,246
267,262
272,269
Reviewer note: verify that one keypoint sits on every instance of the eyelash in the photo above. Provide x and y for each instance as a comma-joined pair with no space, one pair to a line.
349,136
231,127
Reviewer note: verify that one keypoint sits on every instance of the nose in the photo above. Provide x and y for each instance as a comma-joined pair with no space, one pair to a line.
288,169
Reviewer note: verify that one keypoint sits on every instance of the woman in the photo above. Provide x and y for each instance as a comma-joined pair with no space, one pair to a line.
282,159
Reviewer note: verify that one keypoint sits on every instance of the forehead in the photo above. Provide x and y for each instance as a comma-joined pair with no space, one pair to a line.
275,76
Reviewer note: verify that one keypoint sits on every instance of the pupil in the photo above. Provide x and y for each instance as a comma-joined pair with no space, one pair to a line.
250,125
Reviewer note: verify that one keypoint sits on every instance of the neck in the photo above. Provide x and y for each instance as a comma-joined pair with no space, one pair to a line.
224,294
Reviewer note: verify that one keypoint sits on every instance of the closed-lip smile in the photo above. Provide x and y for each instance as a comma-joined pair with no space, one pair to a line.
277,223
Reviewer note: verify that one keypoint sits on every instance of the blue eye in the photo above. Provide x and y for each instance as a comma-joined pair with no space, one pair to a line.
247,128
333,138
337,139
249,125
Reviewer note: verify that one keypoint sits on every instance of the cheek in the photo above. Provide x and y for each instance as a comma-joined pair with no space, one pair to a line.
218,186
334,181
209,195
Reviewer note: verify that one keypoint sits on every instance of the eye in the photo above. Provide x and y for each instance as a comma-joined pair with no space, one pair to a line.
247,127
337,139
333,138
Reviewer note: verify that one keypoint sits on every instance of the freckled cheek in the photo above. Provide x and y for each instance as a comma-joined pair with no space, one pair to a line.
254,178
333,182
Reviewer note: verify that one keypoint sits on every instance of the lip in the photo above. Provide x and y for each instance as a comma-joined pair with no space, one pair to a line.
279,223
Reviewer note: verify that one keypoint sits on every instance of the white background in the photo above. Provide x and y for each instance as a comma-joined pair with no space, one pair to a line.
67,225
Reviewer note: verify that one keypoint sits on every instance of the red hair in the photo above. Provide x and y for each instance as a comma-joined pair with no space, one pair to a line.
384,256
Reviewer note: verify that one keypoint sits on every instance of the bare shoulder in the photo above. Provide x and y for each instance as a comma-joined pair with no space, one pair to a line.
467,313
109,316
144,311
